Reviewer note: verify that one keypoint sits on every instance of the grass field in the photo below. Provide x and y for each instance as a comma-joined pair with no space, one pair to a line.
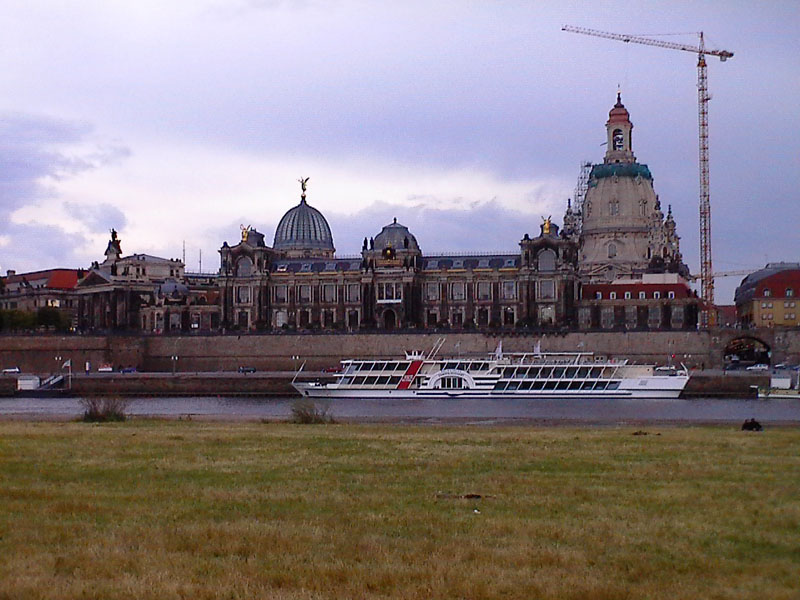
170,509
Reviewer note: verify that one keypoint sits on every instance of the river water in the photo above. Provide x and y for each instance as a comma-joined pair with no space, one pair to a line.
577,411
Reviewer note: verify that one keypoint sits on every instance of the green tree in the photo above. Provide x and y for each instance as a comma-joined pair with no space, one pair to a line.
52,318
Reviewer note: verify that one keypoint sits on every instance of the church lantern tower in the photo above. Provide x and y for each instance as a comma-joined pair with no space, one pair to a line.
619,130
624,233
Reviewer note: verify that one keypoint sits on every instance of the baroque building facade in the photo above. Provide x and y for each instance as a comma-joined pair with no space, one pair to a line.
618,236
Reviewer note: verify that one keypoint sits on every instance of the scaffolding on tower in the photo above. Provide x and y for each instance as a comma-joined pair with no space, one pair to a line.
581,187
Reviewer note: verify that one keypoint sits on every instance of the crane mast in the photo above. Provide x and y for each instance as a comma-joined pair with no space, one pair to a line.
706,270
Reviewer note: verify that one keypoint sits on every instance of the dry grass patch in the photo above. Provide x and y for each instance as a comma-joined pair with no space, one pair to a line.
213,510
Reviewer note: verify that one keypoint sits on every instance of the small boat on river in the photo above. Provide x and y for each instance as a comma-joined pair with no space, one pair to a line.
783,384
526,375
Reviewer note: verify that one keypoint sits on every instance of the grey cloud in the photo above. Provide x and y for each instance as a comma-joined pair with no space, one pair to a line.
99,217
488,227
34,148
36,247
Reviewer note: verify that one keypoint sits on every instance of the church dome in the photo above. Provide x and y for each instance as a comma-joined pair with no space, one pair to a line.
304,228
397,236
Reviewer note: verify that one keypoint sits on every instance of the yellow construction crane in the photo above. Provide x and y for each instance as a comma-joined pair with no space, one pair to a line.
706,271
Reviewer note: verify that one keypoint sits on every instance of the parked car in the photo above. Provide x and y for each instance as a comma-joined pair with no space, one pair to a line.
247,369
11,370
758,367
128,370
106,369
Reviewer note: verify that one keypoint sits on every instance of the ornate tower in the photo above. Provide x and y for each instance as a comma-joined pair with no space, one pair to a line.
619,129
623,233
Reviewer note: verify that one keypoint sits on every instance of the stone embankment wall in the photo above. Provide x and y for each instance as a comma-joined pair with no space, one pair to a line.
45,354
184,384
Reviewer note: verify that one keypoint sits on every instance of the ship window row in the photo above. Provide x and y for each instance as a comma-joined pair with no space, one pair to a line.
372,380
563,385
548,372
378,366
466,366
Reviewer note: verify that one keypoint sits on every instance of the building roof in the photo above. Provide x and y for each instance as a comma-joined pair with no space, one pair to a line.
620,170
308,265
60,279
303,228
468,263
397,236
747,289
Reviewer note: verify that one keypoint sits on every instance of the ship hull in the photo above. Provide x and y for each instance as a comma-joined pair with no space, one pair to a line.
636,388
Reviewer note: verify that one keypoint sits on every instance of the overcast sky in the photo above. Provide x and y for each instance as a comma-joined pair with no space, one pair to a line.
177,122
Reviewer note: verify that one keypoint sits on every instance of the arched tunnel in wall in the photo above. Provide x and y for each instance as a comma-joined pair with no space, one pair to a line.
745,351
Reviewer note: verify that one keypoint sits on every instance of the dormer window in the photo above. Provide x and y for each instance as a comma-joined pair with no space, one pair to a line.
767,292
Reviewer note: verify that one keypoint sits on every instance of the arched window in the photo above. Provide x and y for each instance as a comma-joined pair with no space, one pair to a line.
547,260
244,267
612,250
617,139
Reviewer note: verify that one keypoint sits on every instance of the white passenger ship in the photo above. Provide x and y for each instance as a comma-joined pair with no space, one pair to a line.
533,375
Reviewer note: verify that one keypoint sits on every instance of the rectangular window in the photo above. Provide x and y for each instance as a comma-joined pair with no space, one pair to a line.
243,294
457,290
432,291
789,292
304,293
767,293
390,291
484,290
328,292
281,294
509,290
597,295
547,289
353,292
